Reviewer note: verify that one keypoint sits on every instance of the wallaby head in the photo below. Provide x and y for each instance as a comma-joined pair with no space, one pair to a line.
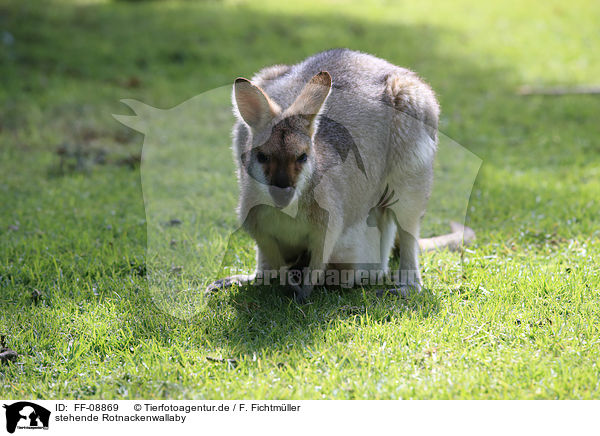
281,154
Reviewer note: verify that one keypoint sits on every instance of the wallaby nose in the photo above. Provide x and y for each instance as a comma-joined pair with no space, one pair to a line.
281,178
281,196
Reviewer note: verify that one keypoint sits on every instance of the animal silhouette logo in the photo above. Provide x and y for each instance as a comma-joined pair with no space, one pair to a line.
26,415
194,229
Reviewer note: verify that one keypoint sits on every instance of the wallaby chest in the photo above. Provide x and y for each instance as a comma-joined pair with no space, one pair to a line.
290,232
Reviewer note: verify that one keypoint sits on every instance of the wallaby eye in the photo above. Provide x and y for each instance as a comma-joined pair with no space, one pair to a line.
261,157
302,158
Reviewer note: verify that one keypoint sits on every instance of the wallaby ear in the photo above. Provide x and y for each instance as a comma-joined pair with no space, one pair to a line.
253,105
312,98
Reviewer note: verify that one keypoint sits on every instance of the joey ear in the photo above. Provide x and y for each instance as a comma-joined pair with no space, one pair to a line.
312,98
254,106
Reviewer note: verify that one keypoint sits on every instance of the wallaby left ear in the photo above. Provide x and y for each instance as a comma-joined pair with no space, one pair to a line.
311,100
253,104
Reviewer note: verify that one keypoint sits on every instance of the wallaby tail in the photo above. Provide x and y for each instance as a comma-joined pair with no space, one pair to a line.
452,241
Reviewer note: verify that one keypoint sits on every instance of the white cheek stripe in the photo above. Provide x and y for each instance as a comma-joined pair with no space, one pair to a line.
305,174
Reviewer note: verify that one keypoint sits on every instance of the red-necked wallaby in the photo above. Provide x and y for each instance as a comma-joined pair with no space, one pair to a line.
335,164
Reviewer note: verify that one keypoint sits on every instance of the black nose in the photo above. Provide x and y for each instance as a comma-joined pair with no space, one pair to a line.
281,180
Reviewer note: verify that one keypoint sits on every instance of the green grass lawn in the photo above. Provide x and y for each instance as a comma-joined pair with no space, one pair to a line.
516,315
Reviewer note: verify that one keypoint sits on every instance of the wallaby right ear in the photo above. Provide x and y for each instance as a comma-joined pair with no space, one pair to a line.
253,105
310,103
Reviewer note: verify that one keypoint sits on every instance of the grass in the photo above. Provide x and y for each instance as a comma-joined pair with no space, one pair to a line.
517,317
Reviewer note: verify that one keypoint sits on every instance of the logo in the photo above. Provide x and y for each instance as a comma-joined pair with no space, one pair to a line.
187,165
26,415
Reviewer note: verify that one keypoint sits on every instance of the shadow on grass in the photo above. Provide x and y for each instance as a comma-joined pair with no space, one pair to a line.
267,318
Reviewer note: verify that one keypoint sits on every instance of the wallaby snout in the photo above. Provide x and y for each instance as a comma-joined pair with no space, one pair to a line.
282,196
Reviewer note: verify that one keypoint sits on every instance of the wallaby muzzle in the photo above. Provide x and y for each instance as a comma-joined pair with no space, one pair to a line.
282,196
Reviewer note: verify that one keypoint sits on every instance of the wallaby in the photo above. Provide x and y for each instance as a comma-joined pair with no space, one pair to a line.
335,163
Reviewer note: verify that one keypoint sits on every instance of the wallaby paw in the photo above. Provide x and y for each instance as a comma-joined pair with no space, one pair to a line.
403,291
221,284
301,293
299,299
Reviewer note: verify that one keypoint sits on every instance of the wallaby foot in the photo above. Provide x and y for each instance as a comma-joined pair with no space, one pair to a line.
403,291
301,293
227,282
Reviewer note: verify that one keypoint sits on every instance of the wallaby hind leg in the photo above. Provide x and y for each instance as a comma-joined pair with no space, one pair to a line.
408,276
406,214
